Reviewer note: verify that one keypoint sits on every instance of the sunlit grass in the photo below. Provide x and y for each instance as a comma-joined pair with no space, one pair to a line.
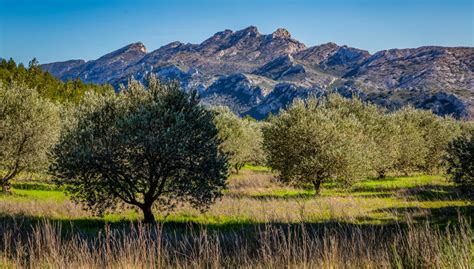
255,196
20,195
256,168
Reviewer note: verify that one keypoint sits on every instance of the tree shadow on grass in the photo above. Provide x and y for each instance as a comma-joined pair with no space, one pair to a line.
24,225
429,192
440,216
91,226
435,193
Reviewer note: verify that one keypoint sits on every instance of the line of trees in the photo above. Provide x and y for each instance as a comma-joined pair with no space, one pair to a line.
156,146
334,138
45,84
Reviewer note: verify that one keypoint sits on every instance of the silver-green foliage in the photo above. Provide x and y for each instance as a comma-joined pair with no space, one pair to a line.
313,141
242,138
423,140
381,133
147,146
29,126
339,138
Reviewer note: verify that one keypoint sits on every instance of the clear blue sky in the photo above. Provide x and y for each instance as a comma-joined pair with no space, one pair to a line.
56,30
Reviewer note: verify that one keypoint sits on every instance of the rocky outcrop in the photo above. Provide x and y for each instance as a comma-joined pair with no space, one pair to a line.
240,92
282,67
280,98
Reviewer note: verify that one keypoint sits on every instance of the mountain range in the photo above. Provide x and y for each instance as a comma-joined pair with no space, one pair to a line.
257,74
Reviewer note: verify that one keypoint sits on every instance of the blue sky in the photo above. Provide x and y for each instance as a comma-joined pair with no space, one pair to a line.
54,30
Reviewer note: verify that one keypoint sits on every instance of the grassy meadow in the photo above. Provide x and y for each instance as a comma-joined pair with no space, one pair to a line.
257,223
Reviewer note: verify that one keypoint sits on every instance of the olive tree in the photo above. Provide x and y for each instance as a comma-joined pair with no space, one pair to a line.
29,126
386,136
412,147
437,132
241,138
381,133
147,146
254,140
424,139
309,143
460,161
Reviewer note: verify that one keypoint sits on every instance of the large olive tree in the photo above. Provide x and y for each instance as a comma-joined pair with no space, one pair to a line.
146,146
309,143
29,126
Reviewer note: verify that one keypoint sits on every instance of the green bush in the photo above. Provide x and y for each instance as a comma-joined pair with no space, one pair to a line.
460,161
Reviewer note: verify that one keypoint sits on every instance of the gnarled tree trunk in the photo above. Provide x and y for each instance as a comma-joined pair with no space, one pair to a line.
317,187
381,174
5,186
237,167
148,216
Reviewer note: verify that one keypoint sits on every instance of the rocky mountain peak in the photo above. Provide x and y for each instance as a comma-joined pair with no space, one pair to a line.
250,30
172,45
281,33
133,50
138,46
223,34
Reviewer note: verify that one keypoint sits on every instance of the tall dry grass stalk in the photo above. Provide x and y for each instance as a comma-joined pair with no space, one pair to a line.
48,245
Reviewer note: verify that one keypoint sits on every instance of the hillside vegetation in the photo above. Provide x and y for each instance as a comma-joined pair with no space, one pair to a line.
46,84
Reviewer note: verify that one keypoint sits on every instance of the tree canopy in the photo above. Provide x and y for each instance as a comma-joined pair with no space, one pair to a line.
242,138
146,146
29,126
309,143
460,161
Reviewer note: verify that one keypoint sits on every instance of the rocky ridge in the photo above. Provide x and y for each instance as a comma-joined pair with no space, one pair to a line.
256,73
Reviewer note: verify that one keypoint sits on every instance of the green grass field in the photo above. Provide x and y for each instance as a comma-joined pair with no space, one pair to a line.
254,196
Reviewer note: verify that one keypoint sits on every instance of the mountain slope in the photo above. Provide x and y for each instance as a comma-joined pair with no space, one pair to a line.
255,73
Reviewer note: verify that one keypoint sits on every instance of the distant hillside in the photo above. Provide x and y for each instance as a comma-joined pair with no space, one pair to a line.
256,74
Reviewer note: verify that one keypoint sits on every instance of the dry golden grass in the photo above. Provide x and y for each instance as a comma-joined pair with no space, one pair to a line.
270,246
